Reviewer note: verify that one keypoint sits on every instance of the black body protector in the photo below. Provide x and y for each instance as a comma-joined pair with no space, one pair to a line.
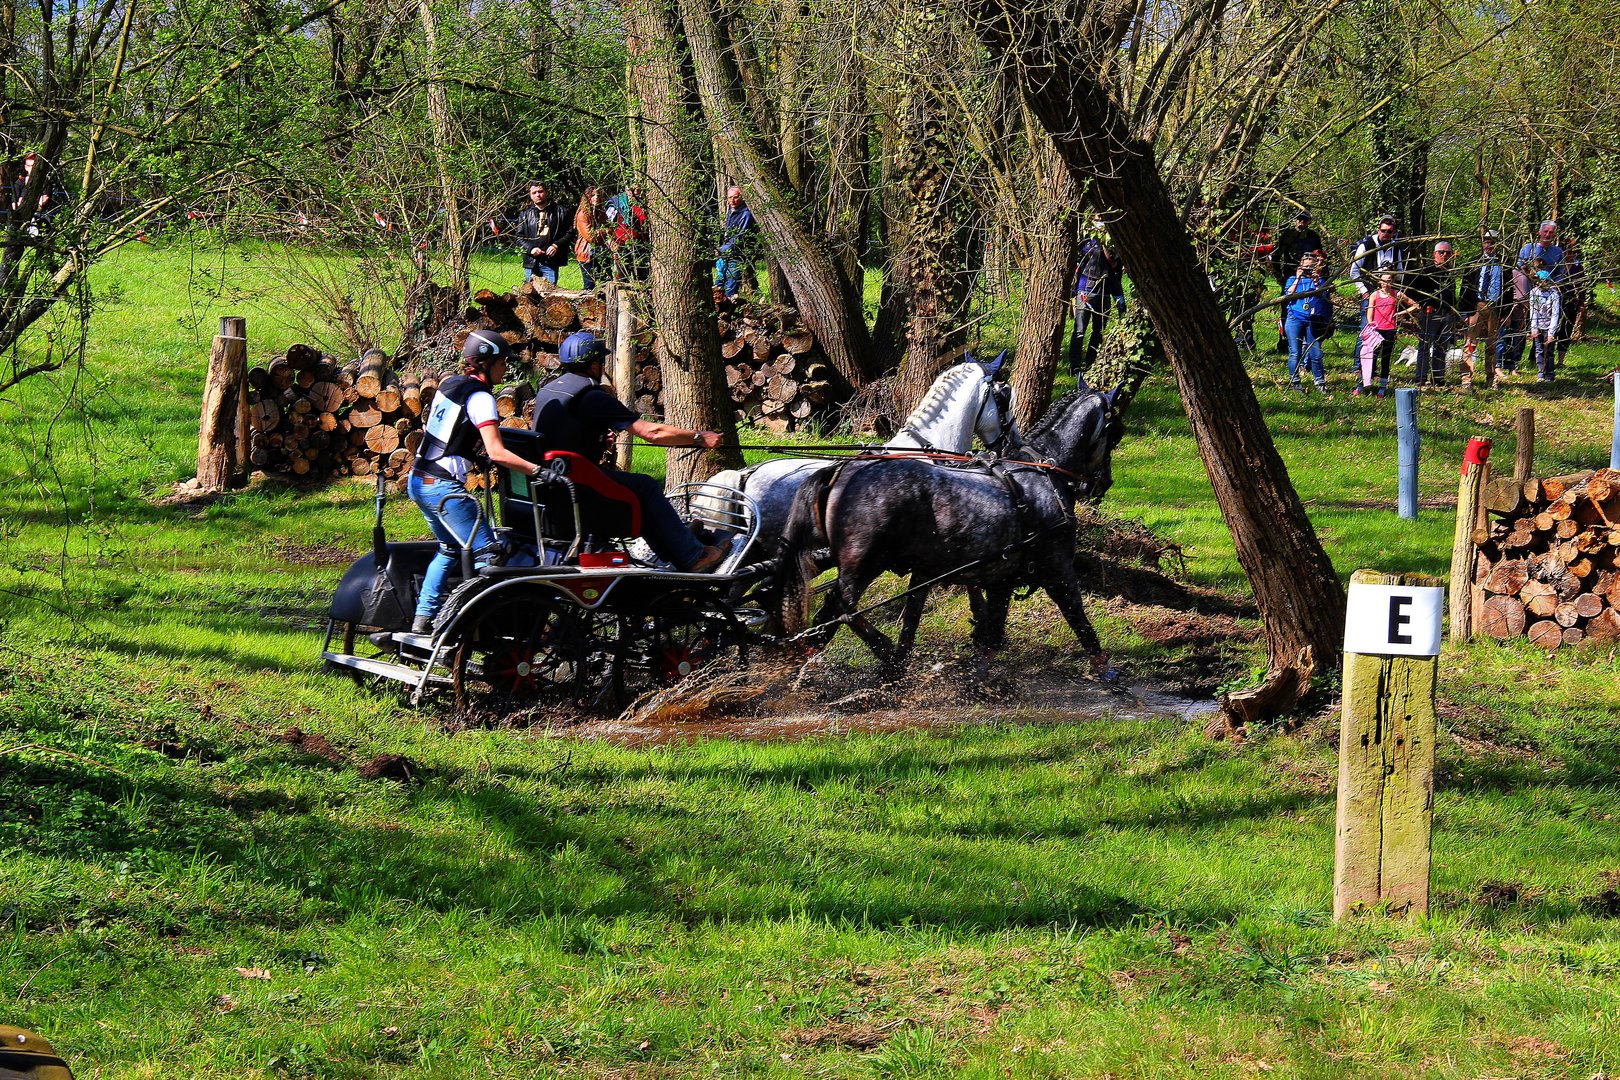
560,425
447,432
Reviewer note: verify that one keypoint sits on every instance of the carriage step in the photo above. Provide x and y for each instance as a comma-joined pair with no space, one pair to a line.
386,669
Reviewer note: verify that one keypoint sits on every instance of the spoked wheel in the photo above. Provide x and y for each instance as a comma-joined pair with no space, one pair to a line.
678,634
532,649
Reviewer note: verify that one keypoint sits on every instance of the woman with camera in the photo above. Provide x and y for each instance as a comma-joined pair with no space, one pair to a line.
1308,308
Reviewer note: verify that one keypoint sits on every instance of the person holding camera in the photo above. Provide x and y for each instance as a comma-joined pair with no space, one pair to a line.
1307,310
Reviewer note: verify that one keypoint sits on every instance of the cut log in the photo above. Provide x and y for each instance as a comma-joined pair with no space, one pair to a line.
733,348
1587,605
373,374
1573,635
558,313
1504,495
1554,486
326,396
798,342
382,439
364,418
1507,578
1604,626
264,416
1502,617
1539,598
800,408
782,388
1566,615
1546,634
1532,490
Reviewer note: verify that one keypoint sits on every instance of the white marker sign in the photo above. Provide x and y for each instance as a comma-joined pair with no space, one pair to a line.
1394,620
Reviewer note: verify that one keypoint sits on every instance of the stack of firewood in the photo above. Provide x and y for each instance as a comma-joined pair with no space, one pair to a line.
1549,565
775,373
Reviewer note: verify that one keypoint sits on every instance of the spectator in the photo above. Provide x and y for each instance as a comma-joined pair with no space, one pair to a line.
590,232
1545,310
1515,321
1380,252
1383,307
736,246
1294,245
1097,283
1574,294
49,198
545,233
1545,248
1487,288
627,234
1434,289
1303,317
1290,252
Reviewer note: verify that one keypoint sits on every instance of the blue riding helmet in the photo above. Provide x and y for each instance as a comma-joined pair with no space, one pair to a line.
581,349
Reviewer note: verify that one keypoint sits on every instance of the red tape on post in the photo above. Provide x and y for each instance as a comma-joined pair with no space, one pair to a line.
1477,453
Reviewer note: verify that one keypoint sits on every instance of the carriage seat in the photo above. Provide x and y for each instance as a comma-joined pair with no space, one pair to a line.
607,508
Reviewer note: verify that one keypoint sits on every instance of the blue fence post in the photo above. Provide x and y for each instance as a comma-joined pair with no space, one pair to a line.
1406,432
1614,447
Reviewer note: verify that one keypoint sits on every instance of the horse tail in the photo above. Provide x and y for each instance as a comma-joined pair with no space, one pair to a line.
796,564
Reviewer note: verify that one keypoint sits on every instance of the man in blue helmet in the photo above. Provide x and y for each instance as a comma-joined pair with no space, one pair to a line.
572,412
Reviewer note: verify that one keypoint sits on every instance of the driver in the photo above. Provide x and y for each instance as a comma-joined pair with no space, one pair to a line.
572,412
461,424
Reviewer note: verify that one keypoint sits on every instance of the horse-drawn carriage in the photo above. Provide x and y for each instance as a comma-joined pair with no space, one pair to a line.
573,613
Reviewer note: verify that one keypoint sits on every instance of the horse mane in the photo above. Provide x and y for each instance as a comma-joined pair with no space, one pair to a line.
933,403
1059,408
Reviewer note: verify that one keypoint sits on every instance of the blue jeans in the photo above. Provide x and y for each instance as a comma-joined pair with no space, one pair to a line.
450,526
547,272
586,276
1302,345
728,273
663,528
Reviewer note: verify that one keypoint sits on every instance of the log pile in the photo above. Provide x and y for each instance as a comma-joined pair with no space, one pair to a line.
775,372
1548,566
314,418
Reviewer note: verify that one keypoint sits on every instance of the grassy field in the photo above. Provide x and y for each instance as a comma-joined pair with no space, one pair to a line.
187,888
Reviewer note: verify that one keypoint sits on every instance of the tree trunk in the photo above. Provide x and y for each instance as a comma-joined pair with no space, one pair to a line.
1047,273
828,302
443,139
894,297
1295,587
695,393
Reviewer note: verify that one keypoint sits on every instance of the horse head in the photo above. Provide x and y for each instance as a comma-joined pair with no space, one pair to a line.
964,401
1079,432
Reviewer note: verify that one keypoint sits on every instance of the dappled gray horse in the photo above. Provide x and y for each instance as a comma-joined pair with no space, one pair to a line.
997,526
963,402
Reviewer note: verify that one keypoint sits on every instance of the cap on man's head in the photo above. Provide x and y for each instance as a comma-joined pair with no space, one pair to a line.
1303,215
1544,275
484,345
580,349
1492,234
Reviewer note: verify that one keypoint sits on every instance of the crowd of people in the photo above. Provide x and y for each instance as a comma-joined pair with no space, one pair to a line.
1482,313
609,238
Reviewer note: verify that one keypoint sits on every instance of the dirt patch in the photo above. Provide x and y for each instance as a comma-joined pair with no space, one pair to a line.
320,553
1605,905
310,743
388,767
849,1036
1500,894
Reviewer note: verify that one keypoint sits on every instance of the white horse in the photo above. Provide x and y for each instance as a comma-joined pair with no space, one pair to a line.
963,402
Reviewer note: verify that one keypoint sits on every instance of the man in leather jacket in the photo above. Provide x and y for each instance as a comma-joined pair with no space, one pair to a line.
545,231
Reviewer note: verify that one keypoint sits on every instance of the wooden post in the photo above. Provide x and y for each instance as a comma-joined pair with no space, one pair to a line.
1614,447
1409,442
624,366
1386,745
1476,471
1524,453
222,436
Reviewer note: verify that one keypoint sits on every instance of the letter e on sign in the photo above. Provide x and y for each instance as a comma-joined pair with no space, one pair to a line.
1393,620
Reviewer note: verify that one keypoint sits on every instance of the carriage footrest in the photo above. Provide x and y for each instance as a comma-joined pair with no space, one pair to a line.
404,673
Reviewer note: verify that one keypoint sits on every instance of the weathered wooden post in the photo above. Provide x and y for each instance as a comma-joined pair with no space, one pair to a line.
1386,744
222,438
622,305
1409,443
1524,451
1476,473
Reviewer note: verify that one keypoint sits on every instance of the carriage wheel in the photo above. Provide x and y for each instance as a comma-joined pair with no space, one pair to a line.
529,650
677,634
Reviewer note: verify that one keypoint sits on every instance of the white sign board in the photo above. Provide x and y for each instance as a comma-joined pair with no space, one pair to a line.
1394,620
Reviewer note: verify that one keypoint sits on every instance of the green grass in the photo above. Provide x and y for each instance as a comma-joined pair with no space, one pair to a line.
1076,898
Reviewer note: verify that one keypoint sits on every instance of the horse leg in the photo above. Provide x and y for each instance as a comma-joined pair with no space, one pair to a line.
1064,589
910,616
990,618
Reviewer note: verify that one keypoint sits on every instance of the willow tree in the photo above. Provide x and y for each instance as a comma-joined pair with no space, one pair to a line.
1072,67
